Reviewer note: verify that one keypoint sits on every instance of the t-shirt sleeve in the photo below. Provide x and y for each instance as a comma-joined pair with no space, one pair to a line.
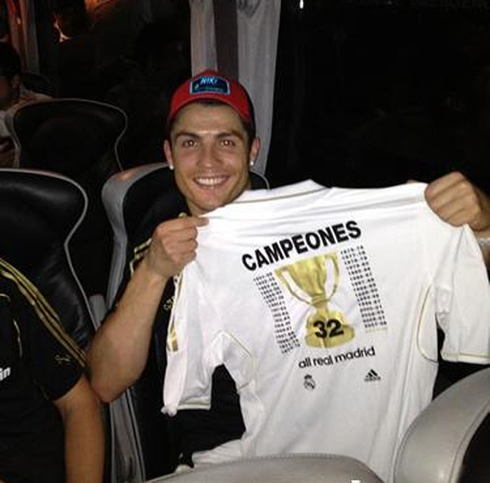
199,340
462,296
192,353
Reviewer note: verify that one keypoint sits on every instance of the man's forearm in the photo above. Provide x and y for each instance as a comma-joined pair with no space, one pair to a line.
84,434
119,351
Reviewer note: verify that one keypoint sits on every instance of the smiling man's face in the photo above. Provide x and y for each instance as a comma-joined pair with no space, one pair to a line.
210,152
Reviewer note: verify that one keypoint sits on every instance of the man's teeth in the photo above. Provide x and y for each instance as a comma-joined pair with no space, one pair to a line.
210,181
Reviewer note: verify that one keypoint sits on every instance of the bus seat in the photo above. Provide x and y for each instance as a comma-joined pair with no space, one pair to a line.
288,468
77,138
136,200
448,442
39,213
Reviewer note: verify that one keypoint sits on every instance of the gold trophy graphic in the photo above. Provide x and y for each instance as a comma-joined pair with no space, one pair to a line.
324,327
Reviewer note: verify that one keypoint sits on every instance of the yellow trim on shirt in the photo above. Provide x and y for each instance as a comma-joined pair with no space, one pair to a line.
45,312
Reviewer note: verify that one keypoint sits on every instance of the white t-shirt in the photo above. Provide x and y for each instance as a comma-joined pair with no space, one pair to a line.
322,303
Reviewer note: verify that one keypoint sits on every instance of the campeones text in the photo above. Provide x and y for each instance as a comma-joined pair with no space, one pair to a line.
301,243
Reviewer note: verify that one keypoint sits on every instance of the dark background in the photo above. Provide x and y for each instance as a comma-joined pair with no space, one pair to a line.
375,93
368,93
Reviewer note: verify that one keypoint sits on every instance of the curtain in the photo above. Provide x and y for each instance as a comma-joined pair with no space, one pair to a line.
257,36
22,21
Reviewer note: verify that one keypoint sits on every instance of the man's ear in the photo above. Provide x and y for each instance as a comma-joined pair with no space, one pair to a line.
168,154
254,151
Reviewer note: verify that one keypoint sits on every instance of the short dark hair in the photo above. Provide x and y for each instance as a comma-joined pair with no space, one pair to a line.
249,127
9,61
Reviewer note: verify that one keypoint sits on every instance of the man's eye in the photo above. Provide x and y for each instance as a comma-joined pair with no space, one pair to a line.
228,142
188,143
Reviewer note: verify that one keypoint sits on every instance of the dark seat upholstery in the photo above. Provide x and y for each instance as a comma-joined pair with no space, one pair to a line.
39,213
70,136
77,138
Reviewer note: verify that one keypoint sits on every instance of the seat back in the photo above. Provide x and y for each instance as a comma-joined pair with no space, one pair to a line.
69,136
77,138
448,442
136,201
39,214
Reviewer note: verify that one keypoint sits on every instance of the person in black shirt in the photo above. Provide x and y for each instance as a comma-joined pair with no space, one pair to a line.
51,428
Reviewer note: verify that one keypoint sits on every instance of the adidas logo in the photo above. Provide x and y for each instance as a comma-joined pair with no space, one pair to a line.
372,376
4,373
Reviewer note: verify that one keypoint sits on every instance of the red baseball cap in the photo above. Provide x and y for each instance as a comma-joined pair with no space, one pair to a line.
209,84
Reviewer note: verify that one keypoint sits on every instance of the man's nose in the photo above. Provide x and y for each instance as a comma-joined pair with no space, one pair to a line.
209,155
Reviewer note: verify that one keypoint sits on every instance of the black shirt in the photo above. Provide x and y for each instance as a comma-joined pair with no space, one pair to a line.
38,363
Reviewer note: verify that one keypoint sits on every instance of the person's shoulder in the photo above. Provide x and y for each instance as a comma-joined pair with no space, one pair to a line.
22,292
8,273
